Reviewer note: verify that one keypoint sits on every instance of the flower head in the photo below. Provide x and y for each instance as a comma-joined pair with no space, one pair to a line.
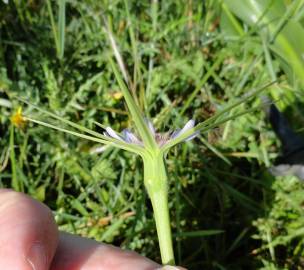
17,118
160,138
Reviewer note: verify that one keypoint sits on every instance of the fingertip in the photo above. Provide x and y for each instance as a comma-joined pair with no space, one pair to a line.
24,223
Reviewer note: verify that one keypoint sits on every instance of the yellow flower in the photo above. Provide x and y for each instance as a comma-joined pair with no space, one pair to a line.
17,119
117,95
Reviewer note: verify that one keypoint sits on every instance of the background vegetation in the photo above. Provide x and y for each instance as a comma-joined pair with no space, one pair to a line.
187,59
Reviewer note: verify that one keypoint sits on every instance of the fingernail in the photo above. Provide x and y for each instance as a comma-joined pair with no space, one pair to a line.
36,257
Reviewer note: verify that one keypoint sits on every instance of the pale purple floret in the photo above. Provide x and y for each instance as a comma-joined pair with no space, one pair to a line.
160,138
111,133
129,137
190,124
151,127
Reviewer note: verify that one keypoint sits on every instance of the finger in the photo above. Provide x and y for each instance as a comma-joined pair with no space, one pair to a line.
28,234
76,253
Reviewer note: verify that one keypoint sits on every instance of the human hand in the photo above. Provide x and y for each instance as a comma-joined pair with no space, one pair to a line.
29,240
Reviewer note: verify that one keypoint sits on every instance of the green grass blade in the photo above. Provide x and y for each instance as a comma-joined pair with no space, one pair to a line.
215,150
54,29
200,233
232,21
61,28
135,55
116,52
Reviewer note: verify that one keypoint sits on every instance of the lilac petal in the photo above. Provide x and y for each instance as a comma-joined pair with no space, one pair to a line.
175,133
111,133
195,134
126,134
190,124
150,126
130,137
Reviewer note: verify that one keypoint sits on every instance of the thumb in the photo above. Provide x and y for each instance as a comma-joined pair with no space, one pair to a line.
28,234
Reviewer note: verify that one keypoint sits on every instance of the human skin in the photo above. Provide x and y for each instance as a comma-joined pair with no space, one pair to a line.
30,240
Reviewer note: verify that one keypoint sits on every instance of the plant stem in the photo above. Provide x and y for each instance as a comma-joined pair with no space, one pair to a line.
155,177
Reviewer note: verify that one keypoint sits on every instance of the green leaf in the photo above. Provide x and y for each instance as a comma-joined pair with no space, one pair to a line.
275,22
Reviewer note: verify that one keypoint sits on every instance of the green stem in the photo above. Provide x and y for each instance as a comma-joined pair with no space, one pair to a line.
155,177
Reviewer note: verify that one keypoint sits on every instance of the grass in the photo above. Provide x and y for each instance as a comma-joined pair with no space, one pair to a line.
184,61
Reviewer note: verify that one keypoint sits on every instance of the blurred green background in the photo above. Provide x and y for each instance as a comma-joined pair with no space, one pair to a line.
187,59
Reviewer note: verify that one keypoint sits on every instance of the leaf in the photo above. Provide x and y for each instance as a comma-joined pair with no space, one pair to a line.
284,34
